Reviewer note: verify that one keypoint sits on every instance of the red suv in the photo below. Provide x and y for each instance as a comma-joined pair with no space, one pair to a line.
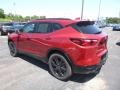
67,46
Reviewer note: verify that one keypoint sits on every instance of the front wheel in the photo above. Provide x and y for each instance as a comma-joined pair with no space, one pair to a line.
59,67
13,50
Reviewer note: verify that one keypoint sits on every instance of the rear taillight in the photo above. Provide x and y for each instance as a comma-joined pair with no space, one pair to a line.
103,41
84,42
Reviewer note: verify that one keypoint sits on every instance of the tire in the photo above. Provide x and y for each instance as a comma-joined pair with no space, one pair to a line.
1,33
13,49
59,67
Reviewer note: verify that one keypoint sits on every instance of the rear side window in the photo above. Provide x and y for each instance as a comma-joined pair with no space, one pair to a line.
43,28
56,26
86,27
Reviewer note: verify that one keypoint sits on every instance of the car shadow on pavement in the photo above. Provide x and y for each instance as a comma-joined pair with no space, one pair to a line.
80,78
34,62
118,43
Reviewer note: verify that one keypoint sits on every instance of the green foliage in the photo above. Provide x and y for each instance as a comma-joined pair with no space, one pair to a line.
4,20
13,17
2,15
113,20
42,17
34,17
27,18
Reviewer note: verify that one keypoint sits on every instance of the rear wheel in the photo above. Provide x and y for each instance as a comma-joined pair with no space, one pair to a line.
59,67
13,50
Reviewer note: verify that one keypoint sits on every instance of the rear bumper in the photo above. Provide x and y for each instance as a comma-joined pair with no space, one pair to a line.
90,69
86,70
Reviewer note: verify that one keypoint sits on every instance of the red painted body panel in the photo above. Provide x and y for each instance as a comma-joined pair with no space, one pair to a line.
40,44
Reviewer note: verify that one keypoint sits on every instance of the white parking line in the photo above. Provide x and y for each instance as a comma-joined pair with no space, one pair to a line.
3,36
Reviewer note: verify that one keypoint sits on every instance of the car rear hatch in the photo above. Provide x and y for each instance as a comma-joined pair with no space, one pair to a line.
92,36
91,40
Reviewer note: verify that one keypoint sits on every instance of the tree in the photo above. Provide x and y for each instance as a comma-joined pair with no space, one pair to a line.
18,18
42,17
10,16
2,15
27,18
35,17
113,20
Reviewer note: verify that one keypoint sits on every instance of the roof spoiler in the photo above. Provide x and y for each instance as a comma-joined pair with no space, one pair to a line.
84,23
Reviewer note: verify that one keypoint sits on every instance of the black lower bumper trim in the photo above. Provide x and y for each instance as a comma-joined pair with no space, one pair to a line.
90,69
87,70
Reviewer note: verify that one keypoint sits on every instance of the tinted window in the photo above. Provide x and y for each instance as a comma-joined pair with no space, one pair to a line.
43,27
17,27
87,28
29,28
16,24
22,23
56,26
8,24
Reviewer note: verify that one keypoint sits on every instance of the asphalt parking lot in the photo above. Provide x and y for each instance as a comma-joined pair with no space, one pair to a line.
25,73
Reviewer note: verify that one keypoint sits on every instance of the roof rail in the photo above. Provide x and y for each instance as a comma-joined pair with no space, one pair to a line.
54,19
86,22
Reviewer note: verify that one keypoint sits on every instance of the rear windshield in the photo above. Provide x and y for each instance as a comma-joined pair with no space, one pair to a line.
86,27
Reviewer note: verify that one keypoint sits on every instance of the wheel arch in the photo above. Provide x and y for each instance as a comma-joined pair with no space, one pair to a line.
59,51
